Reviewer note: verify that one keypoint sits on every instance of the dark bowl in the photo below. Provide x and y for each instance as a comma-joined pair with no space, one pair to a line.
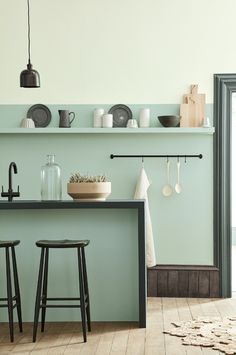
169,121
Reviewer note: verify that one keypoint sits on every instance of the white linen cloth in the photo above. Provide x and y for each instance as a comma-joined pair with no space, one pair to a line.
141,193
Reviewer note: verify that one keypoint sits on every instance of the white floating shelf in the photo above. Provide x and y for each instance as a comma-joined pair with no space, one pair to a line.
90,130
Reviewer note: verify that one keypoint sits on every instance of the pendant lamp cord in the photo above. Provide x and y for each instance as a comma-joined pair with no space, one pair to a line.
28,30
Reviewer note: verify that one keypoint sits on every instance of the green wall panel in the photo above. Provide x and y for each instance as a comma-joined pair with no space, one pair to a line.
182,224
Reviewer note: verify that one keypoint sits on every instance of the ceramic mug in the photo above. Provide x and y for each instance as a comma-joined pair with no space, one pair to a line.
27,123
65,121
132,123
107,120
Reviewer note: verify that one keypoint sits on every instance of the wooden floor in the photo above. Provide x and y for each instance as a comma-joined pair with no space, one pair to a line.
121,338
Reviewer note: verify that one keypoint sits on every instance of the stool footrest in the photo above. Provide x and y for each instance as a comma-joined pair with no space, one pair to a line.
5,299
60,306
63,305
63,299
6,305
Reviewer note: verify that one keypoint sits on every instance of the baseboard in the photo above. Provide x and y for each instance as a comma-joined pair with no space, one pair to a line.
183,281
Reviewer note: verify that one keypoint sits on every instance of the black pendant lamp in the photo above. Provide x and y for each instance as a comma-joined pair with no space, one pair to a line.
29,78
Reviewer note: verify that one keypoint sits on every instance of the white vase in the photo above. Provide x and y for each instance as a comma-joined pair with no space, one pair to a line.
144,118
97,117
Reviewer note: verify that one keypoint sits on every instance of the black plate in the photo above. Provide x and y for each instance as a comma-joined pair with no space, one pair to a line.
121,115
40,114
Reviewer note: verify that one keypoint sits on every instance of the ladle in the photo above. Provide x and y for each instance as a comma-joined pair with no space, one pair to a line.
178,187
167,189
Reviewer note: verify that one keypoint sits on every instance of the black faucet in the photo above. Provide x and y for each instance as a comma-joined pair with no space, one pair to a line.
10,194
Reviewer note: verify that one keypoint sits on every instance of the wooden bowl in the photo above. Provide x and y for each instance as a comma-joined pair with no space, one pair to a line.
89,190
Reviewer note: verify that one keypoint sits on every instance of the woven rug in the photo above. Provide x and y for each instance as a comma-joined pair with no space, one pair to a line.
211,332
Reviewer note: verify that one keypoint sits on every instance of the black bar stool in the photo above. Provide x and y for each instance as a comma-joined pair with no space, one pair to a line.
12,301
41,295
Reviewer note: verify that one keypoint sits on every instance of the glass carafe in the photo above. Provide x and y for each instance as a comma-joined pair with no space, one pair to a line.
51,180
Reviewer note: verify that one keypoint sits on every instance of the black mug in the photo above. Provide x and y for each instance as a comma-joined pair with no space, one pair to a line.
65,121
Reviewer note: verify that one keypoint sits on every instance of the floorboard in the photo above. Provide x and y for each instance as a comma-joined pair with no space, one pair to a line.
121,338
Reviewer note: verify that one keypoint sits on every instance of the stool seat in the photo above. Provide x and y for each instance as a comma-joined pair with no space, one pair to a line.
8,243
65,243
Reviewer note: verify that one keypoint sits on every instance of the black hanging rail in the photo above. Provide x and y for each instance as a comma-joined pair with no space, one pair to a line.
200,156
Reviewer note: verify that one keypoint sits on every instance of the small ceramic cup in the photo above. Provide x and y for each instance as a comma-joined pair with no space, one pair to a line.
107,120
206,123
132,123
27,123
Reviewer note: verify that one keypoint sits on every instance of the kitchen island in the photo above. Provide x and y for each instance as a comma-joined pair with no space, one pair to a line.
116,258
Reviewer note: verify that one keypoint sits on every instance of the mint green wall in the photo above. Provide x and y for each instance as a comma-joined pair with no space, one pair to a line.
182,224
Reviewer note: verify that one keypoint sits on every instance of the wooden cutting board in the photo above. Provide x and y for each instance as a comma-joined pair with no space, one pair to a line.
188,114
192,111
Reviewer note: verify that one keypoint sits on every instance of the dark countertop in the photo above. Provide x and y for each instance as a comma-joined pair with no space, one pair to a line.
38,204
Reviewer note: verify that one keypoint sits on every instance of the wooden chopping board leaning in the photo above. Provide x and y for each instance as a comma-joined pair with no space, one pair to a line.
192,110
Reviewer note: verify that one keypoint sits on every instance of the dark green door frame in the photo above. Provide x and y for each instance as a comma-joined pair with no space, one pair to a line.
224,86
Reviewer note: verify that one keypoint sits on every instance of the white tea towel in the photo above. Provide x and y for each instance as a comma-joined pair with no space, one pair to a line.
141,193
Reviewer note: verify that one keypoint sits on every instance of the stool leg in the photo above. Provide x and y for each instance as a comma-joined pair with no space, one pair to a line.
45,289
38,295
17,288
86,289
82,296
9,295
